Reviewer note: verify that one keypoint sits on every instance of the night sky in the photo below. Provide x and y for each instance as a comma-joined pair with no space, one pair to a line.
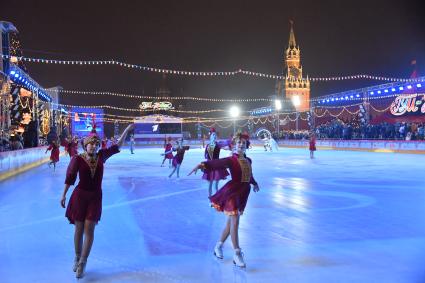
335,37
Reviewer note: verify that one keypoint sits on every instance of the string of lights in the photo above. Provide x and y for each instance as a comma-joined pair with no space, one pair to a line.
371,96
379,110
109,93
259,120
256,120
138,109
204,73
322,115
196,119
193,119
335,107
337,115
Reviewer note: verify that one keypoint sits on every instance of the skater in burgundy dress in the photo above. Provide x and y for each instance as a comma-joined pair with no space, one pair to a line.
168,152
85,205
233,196
54,154
312,145
178,158
72,147
212,152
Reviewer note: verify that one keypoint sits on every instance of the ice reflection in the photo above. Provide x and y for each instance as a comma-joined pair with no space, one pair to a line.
289,192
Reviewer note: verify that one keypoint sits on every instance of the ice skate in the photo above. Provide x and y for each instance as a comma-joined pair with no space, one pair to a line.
238,259
81,269
218,250
76,260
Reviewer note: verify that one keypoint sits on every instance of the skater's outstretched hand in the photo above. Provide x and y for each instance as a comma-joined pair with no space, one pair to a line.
194,170
256,188
130,127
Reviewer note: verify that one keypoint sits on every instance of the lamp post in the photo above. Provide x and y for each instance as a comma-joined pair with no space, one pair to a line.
278,106
297,102
234,113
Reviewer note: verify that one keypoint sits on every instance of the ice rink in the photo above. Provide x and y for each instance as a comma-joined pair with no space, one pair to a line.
345,216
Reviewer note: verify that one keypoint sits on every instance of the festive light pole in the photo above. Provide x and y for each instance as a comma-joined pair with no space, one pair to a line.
297,102
234,113
278,107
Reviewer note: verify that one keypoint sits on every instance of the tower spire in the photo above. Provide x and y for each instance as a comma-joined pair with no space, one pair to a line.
292,43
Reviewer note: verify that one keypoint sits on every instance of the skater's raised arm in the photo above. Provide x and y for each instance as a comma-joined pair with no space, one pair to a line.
167,152
222,163
215,164
124,135
225,144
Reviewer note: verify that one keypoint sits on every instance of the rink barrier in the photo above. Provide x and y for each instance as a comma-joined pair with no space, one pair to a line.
18,161
354,145
361,145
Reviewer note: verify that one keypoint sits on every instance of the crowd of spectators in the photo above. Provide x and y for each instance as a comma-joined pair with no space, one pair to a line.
338,129
344,130
13,142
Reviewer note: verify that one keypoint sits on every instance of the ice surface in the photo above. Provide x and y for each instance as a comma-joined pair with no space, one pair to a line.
345,216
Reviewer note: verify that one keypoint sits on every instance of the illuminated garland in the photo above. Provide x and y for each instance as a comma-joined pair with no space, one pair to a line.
334,107
365,76
380,110
161,97
337,115
370,97
256,120
109,93
139,110
259,121
216,121
196,119
197,73
352,113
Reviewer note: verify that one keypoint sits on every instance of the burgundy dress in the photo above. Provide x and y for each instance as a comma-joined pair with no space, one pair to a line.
213,153
72,149
54,155
312,144
233,196
178,158
86,199
168,147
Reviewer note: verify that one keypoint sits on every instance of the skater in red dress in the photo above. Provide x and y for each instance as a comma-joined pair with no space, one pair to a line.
54,154
85,205
212,152
233,196
178,158
72,146
312,145
168,152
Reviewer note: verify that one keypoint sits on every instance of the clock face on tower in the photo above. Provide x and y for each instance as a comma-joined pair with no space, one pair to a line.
294,72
